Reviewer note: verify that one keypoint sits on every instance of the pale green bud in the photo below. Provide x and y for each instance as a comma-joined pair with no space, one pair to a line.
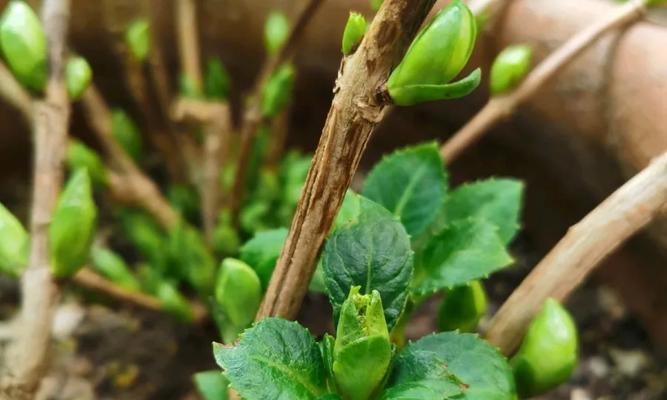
355,28
23,44
174,302
276,30
509,68
14,244
216,80
436,56
81,156
548,354
238,293
462,308
126,133
78,75
114,268
278,91
138,39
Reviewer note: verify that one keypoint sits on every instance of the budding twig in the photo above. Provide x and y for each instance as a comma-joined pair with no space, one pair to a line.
252,116
27,354
355,112
500,107
586,244
13,93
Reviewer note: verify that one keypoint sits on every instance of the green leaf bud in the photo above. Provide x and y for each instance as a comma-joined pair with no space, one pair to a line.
23,44
126,133
278,91
114,267
138,39
509,68
226,240
14,244
78,75
184,199
143,232
211,385
462,308
362,351
354,31
548,354
73,226
187,87
174,302
216,80
190,259
436,56
81,156
238,293
276,30
375,4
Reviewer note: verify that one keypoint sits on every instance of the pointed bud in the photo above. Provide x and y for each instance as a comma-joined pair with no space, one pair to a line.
174,302
126,133
462,308
138,39
548,354
73,226
238,293
23,44
362,351
78,75
144,234
278,91
276,31
14,244
353,33
190,259
216,80
81,156
509,68
436,56
114,268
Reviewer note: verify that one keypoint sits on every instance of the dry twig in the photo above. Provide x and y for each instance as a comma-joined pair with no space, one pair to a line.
28,353
585,245
500,107
355,111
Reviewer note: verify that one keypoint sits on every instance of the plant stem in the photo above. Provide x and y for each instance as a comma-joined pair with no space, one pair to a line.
355,111
188,45
89,279
586,244
27,355
500,107
252,116
13,93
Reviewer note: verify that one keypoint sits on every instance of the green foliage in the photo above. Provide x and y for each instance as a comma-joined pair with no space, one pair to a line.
375,4
276,30
14,244
362,351
211,385
72,226
23,45
126,133
464,251
226,239
81,156
78,75
262,252
144,234
174,302
548,354
190,259
411,184
238,293
497,201
114,267
216,80
278,91
185,200
462,308
138,39
373,253
434,362
187,87
355,28
436,56
509,68
276,359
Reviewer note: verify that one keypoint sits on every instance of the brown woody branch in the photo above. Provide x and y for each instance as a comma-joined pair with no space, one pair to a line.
28,353
252,115
501,107
188,44
355,111
13,93
586,244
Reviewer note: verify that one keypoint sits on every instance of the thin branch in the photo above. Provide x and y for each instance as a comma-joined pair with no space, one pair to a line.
279,132
252,116
89,279
501,107
188,44
584,247
13,93
27,355
355,111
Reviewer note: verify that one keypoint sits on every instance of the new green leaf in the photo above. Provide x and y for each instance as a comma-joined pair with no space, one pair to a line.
262,251
126,132
275,359
137,38
78,75
411,184
81,156
212,385
114,267
14,243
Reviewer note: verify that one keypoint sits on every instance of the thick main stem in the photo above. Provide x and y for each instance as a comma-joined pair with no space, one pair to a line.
27,355
354,113
501,107
586,244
